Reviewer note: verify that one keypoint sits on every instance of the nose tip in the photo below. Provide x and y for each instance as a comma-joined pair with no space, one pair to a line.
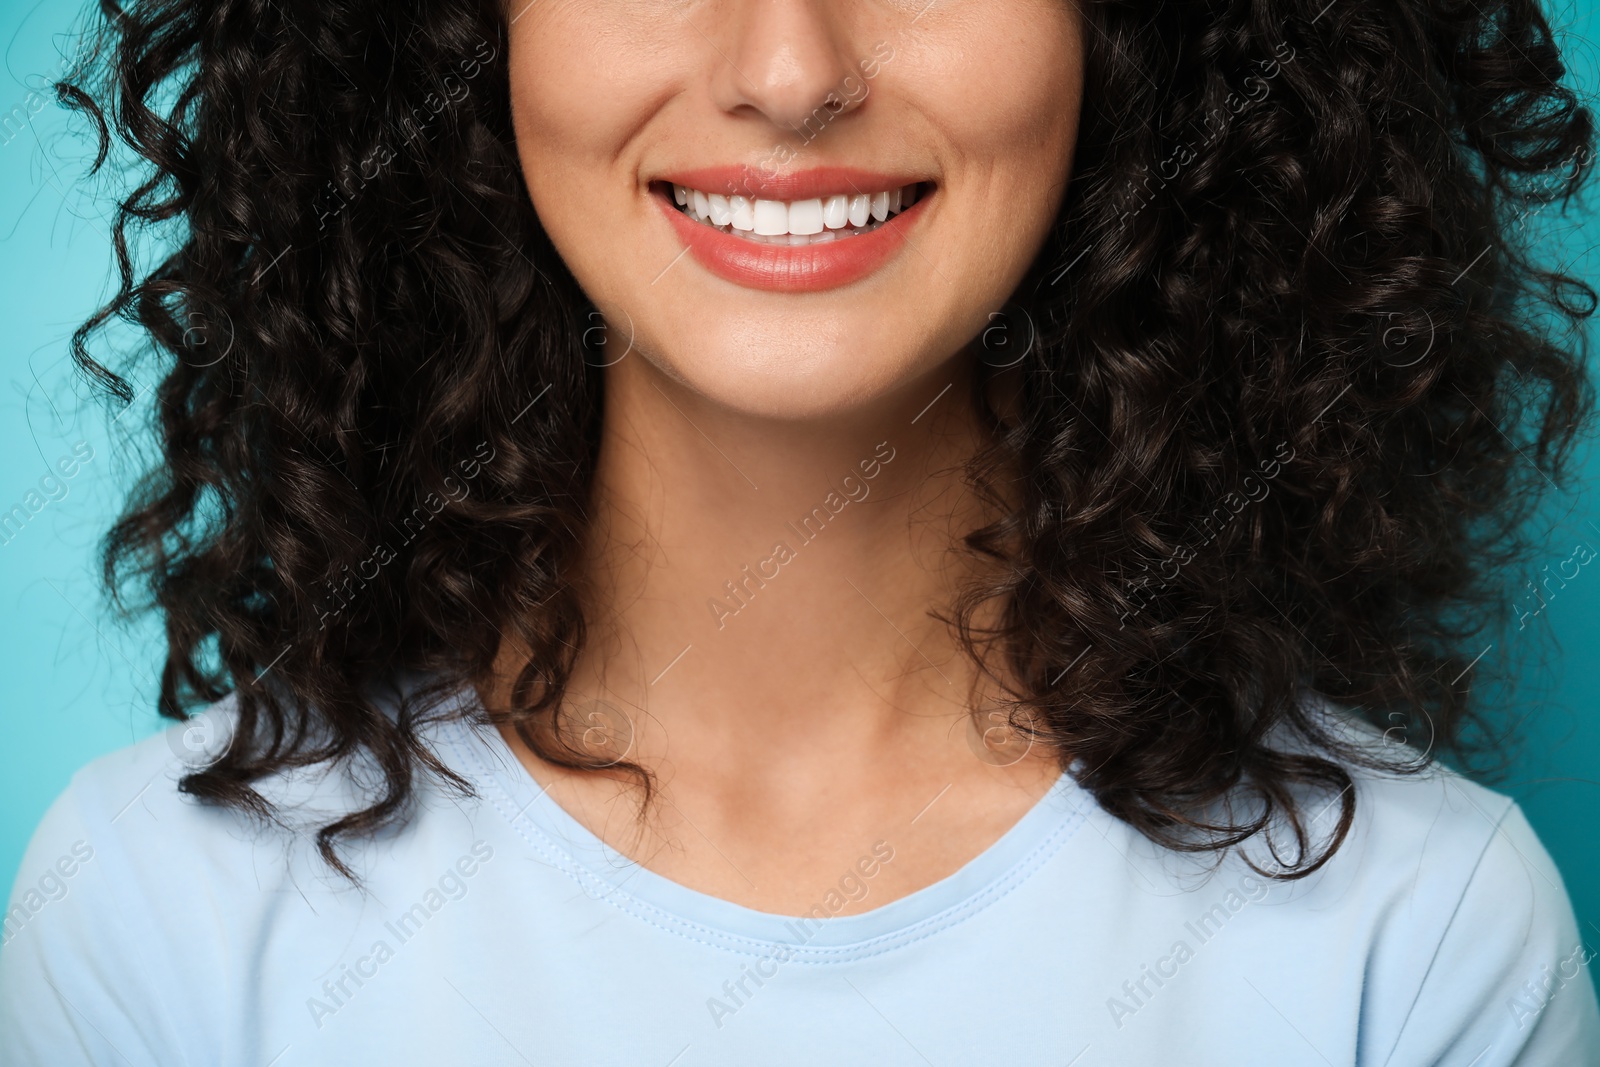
788,61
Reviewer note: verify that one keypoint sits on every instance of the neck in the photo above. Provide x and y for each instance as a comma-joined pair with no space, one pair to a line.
763,591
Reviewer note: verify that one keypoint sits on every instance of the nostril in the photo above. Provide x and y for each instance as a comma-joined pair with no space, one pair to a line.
785,61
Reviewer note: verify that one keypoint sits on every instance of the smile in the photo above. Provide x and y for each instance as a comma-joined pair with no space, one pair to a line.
795,223
797,233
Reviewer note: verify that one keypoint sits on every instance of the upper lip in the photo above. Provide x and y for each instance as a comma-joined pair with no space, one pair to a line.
758,182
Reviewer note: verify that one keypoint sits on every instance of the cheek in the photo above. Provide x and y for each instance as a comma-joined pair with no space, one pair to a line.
568,127
1005,96
1004,99
584,78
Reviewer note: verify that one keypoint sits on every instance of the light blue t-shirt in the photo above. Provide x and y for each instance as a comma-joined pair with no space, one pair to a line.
146,929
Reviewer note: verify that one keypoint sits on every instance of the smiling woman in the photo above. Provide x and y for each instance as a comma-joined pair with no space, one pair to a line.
1192,375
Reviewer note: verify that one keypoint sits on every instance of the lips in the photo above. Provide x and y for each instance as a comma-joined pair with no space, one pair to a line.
803,232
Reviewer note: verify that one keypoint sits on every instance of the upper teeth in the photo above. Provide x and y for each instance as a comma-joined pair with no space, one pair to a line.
773,218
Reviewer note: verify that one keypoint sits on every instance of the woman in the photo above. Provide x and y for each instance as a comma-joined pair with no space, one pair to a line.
715,531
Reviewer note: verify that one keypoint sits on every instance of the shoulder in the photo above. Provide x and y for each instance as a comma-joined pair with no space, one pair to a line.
125,821
89,929
129,809
129,801
131,887
1471,946
1415,817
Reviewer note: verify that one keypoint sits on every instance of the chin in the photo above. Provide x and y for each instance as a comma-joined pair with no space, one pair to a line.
789,370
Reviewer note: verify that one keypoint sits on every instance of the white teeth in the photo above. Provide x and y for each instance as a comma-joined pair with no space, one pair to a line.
772,217
836,212
860,210
800,222
805,217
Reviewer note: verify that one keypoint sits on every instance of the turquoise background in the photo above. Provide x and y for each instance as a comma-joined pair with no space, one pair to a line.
81,685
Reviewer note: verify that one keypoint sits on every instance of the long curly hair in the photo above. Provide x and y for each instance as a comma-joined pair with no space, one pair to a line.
1294,377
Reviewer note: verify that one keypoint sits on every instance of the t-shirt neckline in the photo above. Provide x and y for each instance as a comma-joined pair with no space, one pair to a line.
603,873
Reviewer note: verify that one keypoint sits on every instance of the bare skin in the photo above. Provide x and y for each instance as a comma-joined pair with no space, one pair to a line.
830,711
827,714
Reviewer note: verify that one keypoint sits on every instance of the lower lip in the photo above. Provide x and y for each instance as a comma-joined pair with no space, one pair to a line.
792,268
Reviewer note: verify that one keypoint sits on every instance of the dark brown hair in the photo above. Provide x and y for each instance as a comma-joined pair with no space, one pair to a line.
1293,380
